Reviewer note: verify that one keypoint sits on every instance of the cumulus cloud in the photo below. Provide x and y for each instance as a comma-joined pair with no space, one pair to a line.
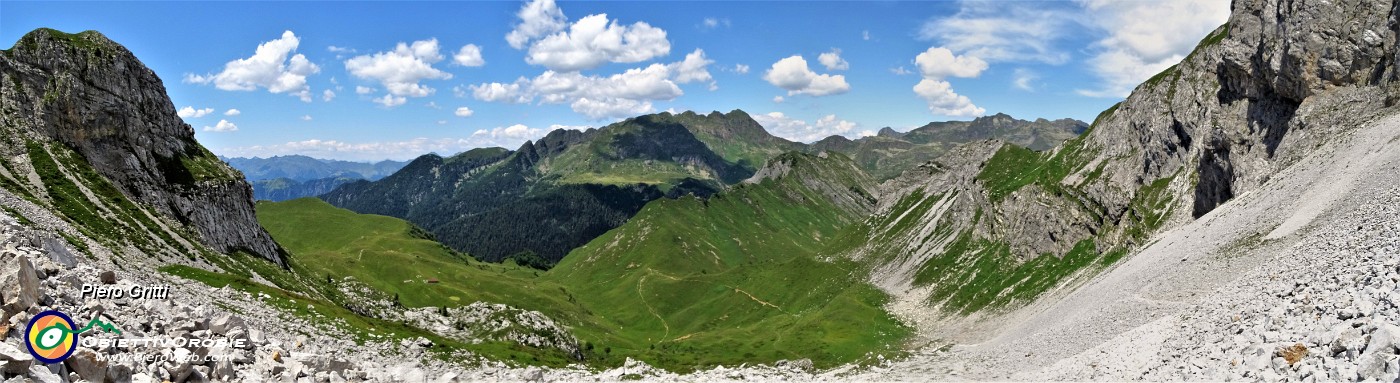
537,18
600,97
1134,51
327,95
900,71
222,126
272,66
778,99
390,101
191,112
793,75
943,101
692,68
587,43
794,129
833,61
233,112
939,62
464,112
469,55
741,69
401,70
306,117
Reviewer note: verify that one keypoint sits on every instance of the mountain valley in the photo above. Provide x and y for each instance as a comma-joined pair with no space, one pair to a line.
1233,218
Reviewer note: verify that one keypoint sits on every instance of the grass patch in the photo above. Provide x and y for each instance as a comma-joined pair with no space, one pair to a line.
323,313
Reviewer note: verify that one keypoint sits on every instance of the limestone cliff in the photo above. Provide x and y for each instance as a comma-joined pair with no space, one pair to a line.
88,129
1274,83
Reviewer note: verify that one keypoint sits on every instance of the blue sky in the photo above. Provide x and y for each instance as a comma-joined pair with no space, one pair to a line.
332,81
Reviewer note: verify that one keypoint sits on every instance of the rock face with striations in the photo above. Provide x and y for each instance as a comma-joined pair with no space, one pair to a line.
90,95
1255,96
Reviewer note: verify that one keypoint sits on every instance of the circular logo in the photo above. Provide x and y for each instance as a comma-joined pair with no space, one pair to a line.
51,337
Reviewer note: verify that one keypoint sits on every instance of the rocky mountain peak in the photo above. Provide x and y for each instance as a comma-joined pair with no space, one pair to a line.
90,95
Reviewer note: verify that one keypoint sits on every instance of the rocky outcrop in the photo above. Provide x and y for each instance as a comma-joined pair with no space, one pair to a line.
1256,95
90,95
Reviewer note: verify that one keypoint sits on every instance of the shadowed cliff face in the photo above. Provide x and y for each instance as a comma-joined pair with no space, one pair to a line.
85,93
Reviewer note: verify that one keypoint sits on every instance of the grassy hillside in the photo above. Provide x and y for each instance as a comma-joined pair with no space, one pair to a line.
687,283
733,279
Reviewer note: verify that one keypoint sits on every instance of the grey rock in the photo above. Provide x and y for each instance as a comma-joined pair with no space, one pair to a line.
115,113
44,375
17,361
225,322
88,364
20,284
108,277
119,373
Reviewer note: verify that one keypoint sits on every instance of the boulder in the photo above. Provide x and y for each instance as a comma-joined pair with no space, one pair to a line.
17,362
224,322
88,364
108,277
20,285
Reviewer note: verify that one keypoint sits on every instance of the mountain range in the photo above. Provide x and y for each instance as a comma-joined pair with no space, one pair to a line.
280,178
550,196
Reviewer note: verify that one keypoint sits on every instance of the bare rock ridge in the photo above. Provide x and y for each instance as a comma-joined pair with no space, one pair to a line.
90,95
1268,88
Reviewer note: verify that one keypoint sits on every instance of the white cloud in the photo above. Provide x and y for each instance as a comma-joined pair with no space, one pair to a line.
587,43
1135,49
272,66
599,97
508,137
390,101
233,112
865,35
537,18
614,108
741,69
222,126
798,130
778,99
1008,31
937,64
712,23
191,112
401,70
469,55
306,117
832,60
464,112
943,101
516,92
793,75
1022,78
327,95
336,49
940,63
364,90
595,40
433,104
900,71
692,69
